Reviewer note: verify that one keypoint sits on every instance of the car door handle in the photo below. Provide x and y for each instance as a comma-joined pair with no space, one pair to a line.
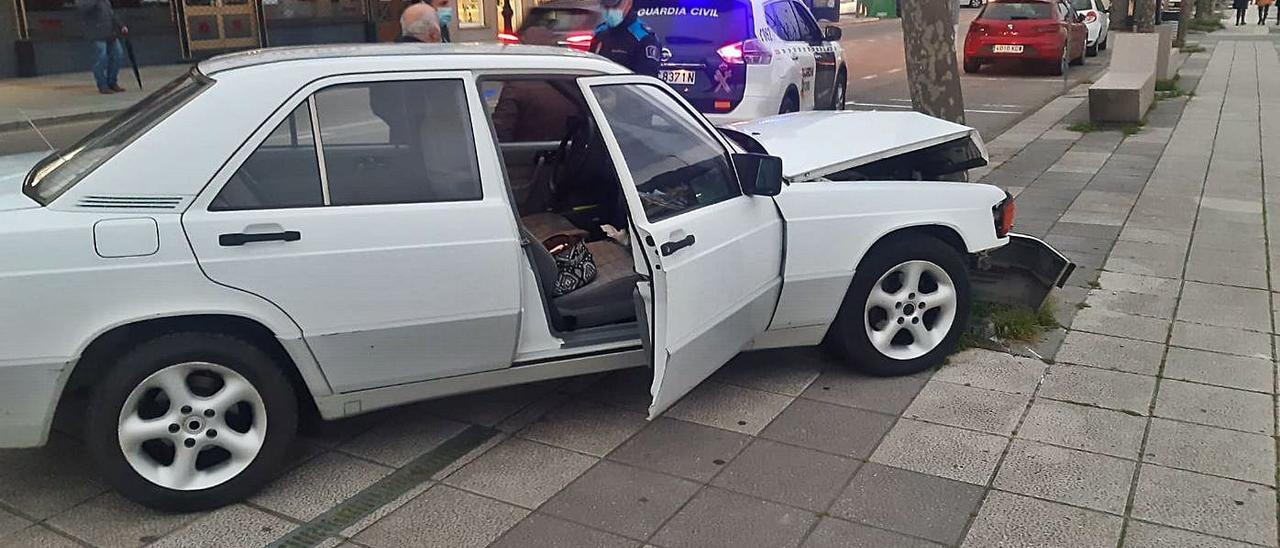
672,247
240,238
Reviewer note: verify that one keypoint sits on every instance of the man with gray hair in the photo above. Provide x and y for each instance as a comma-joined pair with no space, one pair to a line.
419,23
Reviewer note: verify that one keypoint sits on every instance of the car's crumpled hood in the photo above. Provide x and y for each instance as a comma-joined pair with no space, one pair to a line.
13,170
814,144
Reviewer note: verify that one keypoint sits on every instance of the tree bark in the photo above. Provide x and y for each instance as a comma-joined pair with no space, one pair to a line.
1120,15
933,74
1204,9
1144,15
1184,17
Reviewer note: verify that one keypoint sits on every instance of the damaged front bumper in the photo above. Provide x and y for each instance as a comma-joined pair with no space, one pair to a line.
1022,272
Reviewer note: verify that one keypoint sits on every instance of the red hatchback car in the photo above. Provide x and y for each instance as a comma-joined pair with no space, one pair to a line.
1043,31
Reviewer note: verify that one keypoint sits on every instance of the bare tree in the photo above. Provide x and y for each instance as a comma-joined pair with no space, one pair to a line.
933,74
1120,15
1144,15
1204,9
1184,18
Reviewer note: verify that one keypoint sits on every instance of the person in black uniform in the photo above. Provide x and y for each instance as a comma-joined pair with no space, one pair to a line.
626,40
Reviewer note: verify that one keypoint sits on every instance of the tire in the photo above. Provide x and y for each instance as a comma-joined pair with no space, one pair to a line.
1102,46
885,265
975,3
260,413
1060,67
839,93
972,67
1091,51
790,103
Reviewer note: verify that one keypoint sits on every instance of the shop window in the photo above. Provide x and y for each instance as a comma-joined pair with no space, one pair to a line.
470,14
59,19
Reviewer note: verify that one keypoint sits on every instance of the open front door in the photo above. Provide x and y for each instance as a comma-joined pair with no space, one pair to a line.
713,254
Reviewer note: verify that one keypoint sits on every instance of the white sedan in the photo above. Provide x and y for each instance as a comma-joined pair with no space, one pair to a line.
347,228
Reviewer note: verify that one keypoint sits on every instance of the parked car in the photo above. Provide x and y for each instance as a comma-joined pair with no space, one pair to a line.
566,23
732,59
1045,32
1097,19
205,268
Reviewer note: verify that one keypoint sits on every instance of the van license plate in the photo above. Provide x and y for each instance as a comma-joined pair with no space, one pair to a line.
677,77
1006,48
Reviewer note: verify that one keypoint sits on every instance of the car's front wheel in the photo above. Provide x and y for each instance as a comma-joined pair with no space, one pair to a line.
191,421
838,94
906,308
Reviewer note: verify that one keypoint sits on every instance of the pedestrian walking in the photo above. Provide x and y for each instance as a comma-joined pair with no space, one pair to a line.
1240,6
626,40
1264,9
103,29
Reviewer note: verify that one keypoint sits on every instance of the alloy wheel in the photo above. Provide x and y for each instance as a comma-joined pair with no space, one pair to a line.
910,310
192,426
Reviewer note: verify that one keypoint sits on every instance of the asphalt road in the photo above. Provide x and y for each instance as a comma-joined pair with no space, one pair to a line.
995,98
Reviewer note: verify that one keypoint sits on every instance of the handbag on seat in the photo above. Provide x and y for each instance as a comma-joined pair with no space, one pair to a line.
574,264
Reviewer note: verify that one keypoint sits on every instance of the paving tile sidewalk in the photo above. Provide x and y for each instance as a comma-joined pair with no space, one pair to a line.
1154,427
65,97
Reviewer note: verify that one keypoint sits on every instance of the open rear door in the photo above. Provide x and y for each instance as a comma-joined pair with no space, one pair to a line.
713,254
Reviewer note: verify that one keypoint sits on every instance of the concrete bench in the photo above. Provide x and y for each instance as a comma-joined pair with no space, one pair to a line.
1128,88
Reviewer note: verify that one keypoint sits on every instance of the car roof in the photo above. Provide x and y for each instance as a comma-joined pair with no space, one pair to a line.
258,57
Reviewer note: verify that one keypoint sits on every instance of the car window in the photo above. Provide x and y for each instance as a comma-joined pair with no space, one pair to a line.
561,19
685,26
397,142
1014,11
808,25
59,172
782,18
1082,5
676,164
283,172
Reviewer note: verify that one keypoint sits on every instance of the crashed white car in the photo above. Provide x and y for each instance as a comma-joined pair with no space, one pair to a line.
347,228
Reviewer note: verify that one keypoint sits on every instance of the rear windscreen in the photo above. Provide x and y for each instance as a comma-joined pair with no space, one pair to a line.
1082,5
1011,11
561,19
696,22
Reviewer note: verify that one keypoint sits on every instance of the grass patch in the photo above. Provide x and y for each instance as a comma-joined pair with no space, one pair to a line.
1131,129
1087,81
1205,25
1093,284
1083,127
1170,84
1010,322
1082,305
1190,48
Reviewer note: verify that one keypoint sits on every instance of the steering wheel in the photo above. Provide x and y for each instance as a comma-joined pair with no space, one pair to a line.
572,155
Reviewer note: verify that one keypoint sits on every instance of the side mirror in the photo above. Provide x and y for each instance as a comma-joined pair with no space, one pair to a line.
832,33
760,174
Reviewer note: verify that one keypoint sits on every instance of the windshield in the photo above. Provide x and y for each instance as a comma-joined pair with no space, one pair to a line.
561,19
60,171
1011,11
712,23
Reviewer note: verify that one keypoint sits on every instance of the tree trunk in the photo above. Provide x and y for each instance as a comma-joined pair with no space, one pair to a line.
933,75
1120,15
1204,9
1184,17
1144,15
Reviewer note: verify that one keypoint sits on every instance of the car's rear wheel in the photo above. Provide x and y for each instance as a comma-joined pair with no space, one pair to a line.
839,93
1091,51
1059,67
906,308
1102,45
191,421
972,67
790,102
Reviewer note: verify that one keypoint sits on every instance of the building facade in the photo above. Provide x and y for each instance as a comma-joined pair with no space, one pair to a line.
47,36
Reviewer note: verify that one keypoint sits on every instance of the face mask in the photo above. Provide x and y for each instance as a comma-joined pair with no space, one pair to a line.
445,15
613,17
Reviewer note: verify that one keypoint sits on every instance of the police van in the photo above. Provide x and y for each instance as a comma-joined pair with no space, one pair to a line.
745,59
